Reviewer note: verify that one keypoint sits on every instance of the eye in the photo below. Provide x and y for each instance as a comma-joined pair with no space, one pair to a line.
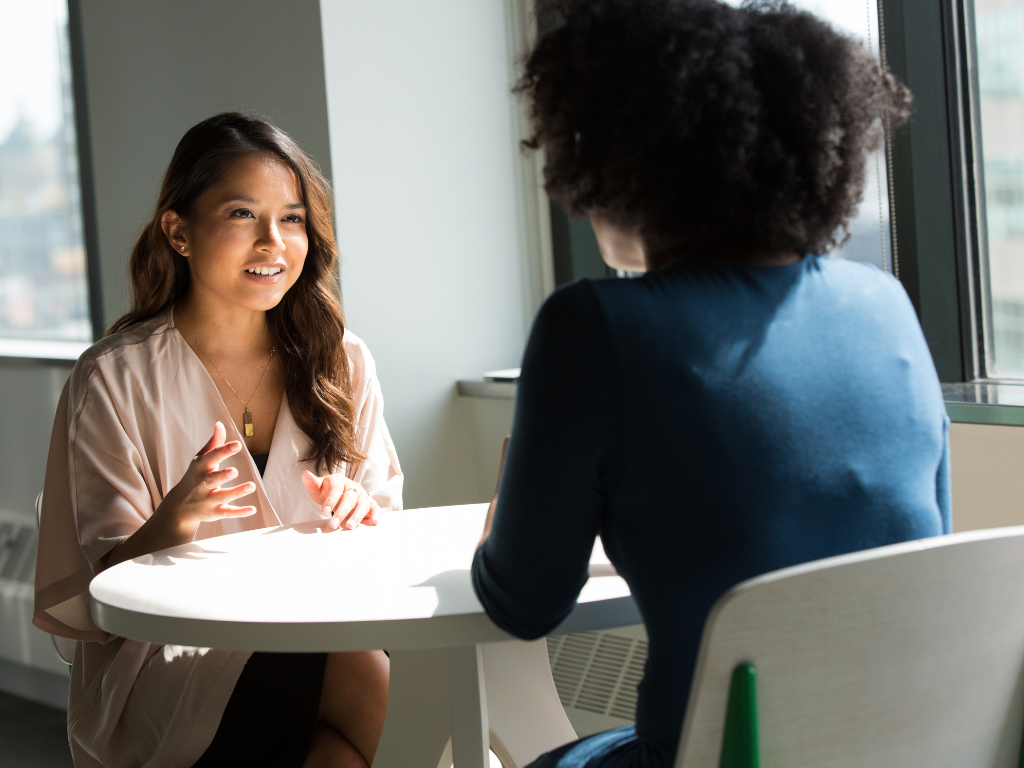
293,218
242,213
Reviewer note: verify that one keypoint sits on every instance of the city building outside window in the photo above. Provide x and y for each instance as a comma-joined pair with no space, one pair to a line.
999,30
43,282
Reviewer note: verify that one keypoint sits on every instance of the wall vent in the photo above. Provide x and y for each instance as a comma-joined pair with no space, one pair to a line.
20,641
17,552
598,672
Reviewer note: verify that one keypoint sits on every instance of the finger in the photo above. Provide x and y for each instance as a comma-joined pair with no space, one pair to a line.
313,484
223,495
344,507
214,480
226,510
216,439
501,462
359,511
372,517
211,460
335,494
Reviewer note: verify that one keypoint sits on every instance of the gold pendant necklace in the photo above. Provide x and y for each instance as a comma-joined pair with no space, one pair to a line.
246,417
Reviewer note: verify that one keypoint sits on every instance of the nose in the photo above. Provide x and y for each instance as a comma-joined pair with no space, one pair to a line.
270,240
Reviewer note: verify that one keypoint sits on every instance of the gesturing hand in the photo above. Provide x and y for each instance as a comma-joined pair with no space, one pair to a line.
199,497
343,500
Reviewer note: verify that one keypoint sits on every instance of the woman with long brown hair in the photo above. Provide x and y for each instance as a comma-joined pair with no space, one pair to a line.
230,397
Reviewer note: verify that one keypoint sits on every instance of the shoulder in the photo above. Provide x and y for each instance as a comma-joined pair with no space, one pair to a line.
130,349
866,291
856,276
571,333
572,306
362,368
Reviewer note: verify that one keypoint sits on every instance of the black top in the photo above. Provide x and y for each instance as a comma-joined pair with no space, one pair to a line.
260,460
712,421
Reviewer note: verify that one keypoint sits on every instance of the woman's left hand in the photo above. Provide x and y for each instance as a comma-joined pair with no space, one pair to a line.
345,501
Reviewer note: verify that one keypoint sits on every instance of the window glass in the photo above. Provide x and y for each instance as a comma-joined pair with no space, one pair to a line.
999,31
43,287
870,235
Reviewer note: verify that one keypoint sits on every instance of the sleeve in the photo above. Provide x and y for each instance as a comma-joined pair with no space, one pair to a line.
94,496
943,485
110,495
530,570
379,472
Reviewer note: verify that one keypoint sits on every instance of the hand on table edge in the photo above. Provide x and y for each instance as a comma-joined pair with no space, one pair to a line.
489,520
344,501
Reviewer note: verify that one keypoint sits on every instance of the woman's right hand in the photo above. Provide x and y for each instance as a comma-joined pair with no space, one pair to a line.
199,496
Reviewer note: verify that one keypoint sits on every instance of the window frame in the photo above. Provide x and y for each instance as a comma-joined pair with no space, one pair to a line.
931,170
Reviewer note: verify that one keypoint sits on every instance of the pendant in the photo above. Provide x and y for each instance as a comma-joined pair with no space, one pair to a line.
247,422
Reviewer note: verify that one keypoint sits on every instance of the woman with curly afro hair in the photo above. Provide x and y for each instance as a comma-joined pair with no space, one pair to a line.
747,404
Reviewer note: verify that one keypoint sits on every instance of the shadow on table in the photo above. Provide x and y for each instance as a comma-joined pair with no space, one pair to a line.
454,591
192,551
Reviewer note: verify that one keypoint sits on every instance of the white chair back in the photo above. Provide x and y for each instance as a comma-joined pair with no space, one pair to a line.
906,656
65,648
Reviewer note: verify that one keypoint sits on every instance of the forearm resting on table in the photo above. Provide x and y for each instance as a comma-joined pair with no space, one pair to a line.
159,532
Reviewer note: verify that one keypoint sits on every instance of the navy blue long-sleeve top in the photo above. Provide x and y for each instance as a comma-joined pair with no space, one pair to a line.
711,421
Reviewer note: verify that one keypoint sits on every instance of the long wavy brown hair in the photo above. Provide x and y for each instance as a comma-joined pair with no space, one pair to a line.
308,325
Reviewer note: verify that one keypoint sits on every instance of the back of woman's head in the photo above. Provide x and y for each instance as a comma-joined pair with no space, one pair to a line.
705,126
307,326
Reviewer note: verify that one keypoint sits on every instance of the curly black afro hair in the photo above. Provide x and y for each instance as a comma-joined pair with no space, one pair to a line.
707,127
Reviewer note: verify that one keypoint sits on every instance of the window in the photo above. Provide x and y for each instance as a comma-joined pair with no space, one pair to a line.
44,295
999,34
870,234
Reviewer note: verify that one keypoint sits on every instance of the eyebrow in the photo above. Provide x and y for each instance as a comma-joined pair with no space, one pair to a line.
254,201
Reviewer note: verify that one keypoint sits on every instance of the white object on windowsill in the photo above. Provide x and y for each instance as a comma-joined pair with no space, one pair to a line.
506,374
497,385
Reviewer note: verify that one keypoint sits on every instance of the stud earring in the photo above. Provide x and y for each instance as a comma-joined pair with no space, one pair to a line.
183,249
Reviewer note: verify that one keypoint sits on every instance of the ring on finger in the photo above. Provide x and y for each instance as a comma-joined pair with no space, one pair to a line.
209,487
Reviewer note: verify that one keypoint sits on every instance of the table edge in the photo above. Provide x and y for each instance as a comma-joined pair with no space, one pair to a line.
308,637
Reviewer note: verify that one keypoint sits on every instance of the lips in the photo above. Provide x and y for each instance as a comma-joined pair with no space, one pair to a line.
265,274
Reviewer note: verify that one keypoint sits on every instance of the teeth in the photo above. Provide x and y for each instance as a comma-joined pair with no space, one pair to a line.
263,270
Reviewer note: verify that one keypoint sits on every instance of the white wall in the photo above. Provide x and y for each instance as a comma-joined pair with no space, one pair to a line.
440,274
988,486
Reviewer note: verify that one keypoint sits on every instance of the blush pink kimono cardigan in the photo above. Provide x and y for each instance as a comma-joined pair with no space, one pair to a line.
137,407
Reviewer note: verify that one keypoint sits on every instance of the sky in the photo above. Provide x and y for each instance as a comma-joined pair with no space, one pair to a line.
29,63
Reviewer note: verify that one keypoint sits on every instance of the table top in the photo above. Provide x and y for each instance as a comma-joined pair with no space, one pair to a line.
404,584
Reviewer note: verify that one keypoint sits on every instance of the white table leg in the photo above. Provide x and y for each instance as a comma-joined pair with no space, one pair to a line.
499,693
525,716
467,701
417,724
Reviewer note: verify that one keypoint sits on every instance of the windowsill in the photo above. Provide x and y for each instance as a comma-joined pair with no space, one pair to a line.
43,350
997,403
496,390
496,385
985,402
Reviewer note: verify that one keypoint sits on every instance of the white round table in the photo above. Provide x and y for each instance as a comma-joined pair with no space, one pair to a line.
403,585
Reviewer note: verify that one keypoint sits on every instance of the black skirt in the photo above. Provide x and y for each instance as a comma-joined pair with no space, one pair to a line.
270,717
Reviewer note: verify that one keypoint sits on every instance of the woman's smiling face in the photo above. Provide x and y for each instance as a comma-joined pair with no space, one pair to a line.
246,240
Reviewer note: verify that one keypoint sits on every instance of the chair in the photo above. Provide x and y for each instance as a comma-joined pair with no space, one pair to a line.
65,648
905,656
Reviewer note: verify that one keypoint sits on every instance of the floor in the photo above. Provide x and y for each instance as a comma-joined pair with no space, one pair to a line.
32,735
